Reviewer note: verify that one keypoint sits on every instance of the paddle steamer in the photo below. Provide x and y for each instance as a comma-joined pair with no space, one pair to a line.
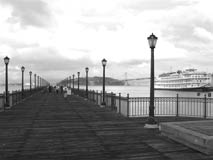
189,79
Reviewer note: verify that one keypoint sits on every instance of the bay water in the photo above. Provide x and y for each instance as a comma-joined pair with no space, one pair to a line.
144,91
133,91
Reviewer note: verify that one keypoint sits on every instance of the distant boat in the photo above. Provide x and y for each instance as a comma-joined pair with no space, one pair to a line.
189,79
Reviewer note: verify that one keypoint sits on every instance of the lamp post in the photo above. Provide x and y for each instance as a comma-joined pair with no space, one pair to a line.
151,123
35,81
104,62
6,61
87,70
70,82
22,83
73,81
38,81
78,80
30,80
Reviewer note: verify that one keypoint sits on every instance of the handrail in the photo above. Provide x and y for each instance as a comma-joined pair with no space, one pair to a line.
16,97
164,106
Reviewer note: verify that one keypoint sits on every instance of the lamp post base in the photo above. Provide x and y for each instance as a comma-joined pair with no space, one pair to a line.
151,123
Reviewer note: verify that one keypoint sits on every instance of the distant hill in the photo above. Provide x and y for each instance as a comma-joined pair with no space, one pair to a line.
96,81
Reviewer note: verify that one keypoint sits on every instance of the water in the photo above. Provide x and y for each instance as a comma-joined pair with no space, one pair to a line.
133,91
12,88
144,91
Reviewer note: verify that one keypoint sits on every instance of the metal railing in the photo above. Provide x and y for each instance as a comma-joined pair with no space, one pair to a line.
164,106
173,106
16,97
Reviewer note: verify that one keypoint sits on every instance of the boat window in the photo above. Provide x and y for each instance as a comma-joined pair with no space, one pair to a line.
198,94
209,94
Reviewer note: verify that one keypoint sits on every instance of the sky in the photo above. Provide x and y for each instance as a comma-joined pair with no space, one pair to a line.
58,38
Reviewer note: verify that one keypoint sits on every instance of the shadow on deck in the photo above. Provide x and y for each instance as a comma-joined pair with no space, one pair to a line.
47,126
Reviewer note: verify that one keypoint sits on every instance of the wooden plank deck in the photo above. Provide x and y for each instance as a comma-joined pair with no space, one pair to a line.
47,126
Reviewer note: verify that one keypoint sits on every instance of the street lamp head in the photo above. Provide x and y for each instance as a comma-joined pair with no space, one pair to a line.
30,72
78,74
86,69
152,40
104,62
22,68
6,60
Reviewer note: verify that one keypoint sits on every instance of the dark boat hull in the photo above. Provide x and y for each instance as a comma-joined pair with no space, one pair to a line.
200,89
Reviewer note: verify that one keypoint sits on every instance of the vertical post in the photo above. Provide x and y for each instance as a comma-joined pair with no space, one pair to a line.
103,103
177,106
38,81
128,105
87,69
111,97
73,81
35,81
104,62
119,103
6,59
22,84
151,122
30,81
78,80
97,97
204,110
151,106
70,82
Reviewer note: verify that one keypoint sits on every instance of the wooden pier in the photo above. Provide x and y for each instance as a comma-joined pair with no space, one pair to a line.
47,126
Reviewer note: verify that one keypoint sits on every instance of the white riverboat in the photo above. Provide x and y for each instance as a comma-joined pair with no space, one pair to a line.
188,79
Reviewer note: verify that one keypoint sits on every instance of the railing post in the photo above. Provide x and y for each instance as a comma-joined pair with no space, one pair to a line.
119,103
204,111
111,96
128,105
177,106
106,98
16,96
97,97
101,97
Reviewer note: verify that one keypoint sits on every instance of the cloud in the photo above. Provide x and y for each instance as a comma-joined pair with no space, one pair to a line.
48,63
29,12
16,44
88,31
203,34
144,5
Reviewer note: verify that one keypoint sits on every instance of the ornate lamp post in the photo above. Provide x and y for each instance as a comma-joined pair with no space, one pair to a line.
78,80
30,80
151,123
35,80
87,70
22,82
73,81
38,85
6,61
104,62
70,82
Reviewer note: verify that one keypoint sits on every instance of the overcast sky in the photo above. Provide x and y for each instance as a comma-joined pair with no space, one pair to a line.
58,38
